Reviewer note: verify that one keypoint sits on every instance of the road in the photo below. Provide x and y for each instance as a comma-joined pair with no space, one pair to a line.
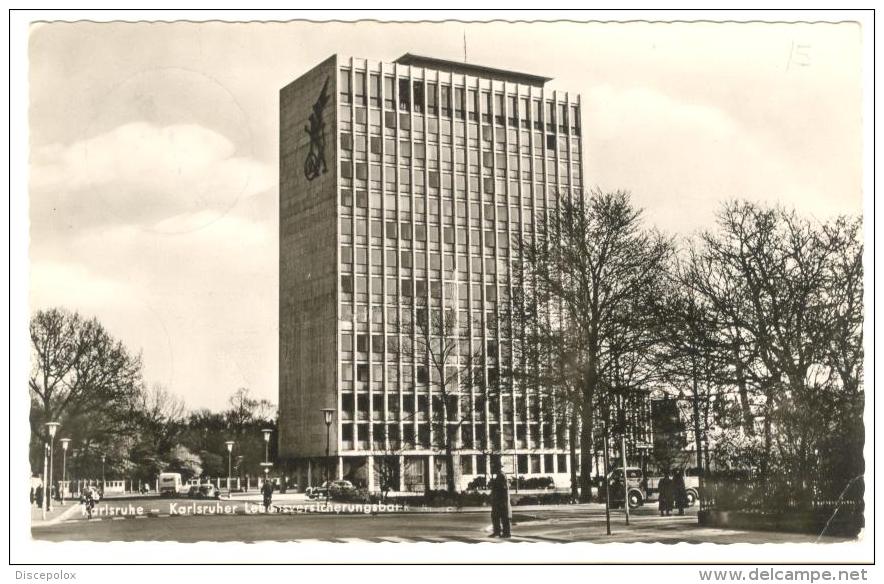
185,521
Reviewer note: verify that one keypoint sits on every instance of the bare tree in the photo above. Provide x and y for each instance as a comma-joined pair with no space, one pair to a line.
437,343
589,257
789,294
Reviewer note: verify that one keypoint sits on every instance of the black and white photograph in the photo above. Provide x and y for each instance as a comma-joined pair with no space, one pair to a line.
575,282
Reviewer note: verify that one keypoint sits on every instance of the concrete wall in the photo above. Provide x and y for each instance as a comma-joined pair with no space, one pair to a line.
307,268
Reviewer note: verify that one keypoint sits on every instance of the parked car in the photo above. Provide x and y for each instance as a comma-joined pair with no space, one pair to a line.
330,487
204,491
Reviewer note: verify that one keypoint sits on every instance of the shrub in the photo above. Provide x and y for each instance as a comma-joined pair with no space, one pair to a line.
542,499
442,498
531,482
480,482
349,495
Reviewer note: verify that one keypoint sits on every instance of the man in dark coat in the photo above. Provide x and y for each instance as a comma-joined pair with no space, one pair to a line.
679,491
501,511
38,496
267,491
665,494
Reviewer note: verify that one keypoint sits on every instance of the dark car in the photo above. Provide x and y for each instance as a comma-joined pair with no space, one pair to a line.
205,491
330,487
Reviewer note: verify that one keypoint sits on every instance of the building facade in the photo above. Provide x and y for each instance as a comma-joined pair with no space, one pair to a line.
402,187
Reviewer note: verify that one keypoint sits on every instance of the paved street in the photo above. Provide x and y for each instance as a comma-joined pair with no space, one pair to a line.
189,521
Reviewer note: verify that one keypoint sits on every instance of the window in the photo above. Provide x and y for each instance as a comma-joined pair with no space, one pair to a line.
575,120
418,96
362,372
445,100
374,90
389,93
346,141
359,89
432,108
344,85
459,103
404,95
472,105
550,116
563,118
538,115
499,110
390,120
523,111
486,107
513,118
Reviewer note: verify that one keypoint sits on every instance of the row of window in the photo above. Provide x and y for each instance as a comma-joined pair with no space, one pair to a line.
498,139
410,437
472,464
501,216
405,231
387,180
524,405
543,145
460,102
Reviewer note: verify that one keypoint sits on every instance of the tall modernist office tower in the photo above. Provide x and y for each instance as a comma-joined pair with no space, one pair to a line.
402,186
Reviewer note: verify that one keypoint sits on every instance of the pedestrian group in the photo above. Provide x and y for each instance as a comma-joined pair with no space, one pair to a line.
672,492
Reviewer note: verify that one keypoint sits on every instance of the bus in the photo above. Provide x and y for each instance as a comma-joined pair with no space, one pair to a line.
170,484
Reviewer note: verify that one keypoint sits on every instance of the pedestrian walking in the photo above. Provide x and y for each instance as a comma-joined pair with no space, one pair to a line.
267,492
679,491
33,496
501,510
38,495
664,488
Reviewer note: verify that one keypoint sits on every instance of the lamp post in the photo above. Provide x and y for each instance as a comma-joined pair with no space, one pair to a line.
329,414
229,444
45,473
267,433
51,428
267,464
103,458
64,463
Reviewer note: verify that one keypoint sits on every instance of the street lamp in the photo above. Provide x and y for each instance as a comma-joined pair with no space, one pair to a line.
64,463
229,444
329,414
45,472
267,433
267,464
51,428
103,458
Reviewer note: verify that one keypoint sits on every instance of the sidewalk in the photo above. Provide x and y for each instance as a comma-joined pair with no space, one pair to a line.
57,514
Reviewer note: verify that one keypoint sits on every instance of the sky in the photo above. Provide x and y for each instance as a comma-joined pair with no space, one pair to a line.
153,198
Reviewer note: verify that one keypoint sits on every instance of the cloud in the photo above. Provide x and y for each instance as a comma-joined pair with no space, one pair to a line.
142,173
201,305
681,159
74,285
